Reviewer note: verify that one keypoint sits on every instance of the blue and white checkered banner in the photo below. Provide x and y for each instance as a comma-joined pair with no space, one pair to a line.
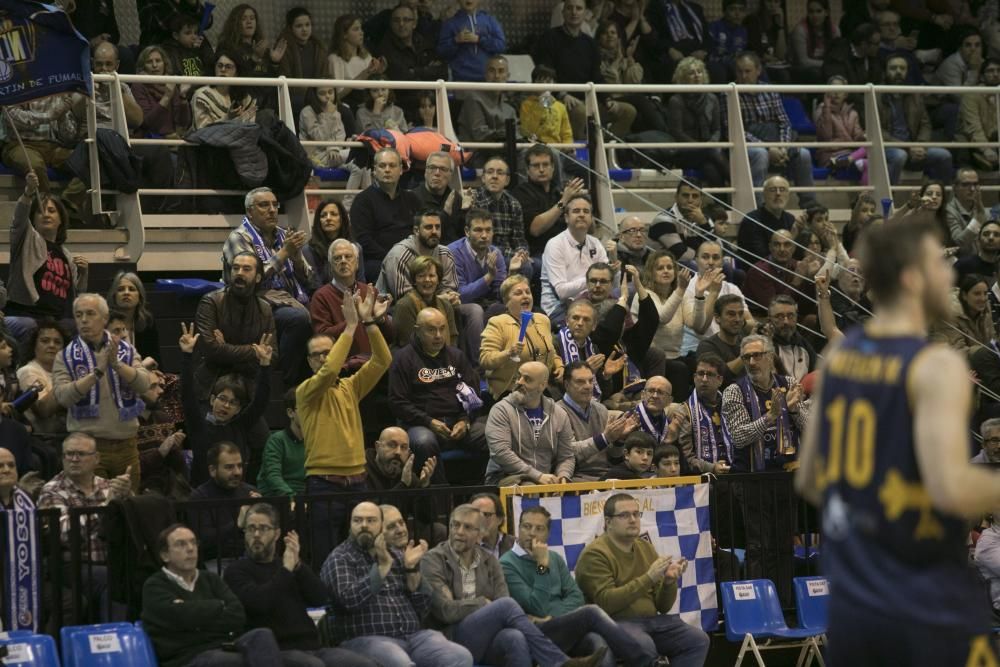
675,520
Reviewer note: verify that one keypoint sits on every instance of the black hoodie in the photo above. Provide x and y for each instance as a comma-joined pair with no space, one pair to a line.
422,387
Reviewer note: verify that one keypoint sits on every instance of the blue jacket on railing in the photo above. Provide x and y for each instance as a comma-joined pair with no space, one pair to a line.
468,61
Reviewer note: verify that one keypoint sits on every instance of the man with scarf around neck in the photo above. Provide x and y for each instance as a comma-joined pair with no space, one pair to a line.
652,412
98,378
530,441
434,392
325,308
229,322
287,276
704,444
764,413
596,436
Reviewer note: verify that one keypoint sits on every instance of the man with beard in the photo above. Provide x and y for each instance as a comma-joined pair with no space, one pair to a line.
542,201
984,262
230,321
286,276
435,192
964,211
469,598
595,436
434,391
480,265
277,590
776,275
504,209
390,465
725,343
797,356
631,247
382,214
530,441
327,305
704,444
380,601
905,118
218,527
567,257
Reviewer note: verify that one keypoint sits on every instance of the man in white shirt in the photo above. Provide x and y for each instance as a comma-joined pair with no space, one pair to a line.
567,258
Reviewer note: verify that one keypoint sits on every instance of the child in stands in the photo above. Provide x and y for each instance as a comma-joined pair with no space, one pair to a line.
320,120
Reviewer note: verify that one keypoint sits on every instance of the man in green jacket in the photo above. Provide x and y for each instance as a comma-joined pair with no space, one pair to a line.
625,577
192,616
539,580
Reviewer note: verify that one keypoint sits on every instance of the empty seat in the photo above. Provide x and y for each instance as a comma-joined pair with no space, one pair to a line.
26,648
106,645
812,600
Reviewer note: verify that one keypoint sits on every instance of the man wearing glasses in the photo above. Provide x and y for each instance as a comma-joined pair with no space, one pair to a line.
965,212
624,576
703,442
435,193
504,209
568,256
542,199
277,588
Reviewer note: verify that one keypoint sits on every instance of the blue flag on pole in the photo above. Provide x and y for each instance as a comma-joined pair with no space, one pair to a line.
41,53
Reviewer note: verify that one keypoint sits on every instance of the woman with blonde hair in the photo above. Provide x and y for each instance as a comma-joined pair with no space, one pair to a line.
165,110
696,118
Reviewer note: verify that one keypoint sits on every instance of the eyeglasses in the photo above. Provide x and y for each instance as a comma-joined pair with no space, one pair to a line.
76,454
625,516
496,172
234,402
636,231
706,375
258,530
438,168
753,356
658,392
991,441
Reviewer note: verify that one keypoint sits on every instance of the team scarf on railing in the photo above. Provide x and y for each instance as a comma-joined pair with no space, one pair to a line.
265,253
675,22
80,361
21,604
703,430
785,430
571,352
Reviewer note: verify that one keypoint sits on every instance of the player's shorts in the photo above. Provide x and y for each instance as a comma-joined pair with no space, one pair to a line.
858,638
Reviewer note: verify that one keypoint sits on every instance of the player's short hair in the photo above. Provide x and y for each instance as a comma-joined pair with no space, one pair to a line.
887,250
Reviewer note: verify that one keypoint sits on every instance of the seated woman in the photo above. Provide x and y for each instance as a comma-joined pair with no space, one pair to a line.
695,118
211,104
810,39
244,40
14,433
320,120
425,275
128,296
501,352
972,323
425,112
44,277
165,111
330,222
46,416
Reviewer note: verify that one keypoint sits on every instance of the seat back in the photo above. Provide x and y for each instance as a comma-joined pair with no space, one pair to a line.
751,606
812,599
26,648
106,645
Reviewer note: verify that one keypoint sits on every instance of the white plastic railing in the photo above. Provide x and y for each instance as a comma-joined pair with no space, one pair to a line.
129,210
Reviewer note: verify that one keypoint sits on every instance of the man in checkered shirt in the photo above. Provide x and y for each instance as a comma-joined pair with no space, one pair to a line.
380,600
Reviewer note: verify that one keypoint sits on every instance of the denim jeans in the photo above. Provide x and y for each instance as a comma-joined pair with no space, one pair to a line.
798,169
256,648
937,165
472,322
424,648
325,657
667,634
327,516
502,634
424,443
584,630
294,329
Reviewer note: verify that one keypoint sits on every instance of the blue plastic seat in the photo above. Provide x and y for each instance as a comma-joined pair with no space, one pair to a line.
106,645
753,612
812,600
797,116
187,286
26,648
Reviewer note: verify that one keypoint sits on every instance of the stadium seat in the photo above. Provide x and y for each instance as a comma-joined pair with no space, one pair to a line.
812,598
753,612
106,645
797,115
26,648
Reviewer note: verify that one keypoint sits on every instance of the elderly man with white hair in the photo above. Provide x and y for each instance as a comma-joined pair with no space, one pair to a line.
99,378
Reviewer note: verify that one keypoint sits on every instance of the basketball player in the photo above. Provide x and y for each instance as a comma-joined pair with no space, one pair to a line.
886,456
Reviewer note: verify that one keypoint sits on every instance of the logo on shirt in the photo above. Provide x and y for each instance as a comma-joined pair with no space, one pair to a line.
429,375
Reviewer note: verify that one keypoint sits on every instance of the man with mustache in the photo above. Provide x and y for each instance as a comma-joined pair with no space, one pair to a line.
391,465
276,590
230,321
380,601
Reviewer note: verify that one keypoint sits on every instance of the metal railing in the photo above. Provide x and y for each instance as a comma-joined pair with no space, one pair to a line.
742,187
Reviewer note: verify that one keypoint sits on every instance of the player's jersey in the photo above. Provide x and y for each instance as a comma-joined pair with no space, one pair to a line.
884,546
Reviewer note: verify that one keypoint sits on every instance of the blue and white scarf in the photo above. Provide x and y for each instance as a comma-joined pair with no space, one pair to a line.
785,432
21,603
80,362
703,431
675,21
571,352
276,281
647,425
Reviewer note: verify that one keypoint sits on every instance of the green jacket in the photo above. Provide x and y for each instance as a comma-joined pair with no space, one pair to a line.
551,594
283,465
182,623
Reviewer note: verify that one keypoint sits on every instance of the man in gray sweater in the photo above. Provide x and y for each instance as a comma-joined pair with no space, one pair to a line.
530,441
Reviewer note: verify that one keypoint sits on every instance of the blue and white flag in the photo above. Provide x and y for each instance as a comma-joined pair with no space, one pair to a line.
675,520
41,53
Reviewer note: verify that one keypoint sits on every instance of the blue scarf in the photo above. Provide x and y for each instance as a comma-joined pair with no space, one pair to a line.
675,22
21,602
647,425
703,431
571,353
80,361
264,253
785,433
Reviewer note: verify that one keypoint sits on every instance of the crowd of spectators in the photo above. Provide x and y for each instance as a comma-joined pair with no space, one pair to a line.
492,321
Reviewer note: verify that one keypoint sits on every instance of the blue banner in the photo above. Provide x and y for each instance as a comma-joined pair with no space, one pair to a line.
27,31
22,565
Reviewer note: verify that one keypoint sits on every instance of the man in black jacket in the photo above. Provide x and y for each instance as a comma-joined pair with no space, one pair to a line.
275,593
434,391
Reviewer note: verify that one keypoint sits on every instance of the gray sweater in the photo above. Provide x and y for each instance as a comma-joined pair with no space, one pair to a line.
514,449
593,459
442,573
